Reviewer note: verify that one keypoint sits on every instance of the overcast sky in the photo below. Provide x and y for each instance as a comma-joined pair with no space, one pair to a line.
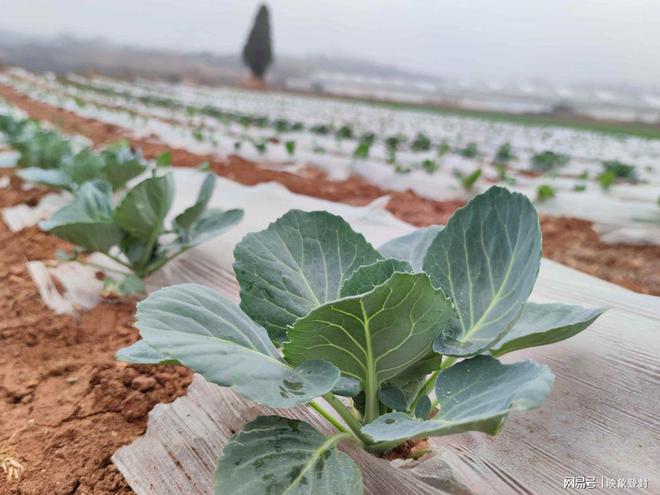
561,40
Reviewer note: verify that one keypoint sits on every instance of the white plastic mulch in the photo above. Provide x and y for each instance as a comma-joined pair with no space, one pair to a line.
623,214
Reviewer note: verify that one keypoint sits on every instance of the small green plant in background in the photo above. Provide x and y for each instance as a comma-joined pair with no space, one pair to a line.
245,121
38,147
430,166
281,125
133,233
549,161
619,170
164,159
361,151
320,129
502,169
290,147
368,137
392,145
442,149
467,181
344,132
470,151
198,135
260,145
116,164
606,179
504,154
371,331
421,143
545,192
364,145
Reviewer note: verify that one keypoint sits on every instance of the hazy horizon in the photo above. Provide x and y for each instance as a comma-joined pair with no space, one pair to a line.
561,40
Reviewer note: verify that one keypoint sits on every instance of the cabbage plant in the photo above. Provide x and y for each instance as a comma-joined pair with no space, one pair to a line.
549,161
117,164
38,147
47,158
133,233
388,345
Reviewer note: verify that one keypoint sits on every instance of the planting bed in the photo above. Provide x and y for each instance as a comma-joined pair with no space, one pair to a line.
60,370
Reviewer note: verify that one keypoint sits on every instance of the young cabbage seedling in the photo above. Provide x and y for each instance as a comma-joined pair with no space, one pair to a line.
260,145
621,170
504,153
549,161
467,181
421,143
430,166
344,132
133,233
362,150
545,192
400,342
290,147
470,151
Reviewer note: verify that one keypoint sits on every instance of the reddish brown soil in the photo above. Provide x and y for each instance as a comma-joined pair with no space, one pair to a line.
574,243
14,194
66,405
410,449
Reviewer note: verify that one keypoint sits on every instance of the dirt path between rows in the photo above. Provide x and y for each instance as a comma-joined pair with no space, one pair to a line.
66,405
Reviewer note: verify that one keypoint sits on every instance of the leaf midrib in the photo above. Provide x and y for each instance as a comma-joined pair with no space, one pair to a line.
371,383
497,296
328,444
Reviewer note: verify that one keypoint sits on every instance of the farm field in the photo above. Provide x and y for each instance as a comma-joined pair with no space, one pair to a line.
597,195
614,178
430,178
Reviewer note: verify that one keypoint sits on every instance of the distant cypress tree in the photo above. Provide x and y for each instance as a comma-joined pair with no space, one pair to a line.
257,53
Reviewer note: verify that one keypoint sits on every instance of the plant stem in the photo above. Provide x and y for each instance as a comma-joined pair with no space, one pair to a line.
159,264
371,402
348,418
329,417
378,449
447,361
148,251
